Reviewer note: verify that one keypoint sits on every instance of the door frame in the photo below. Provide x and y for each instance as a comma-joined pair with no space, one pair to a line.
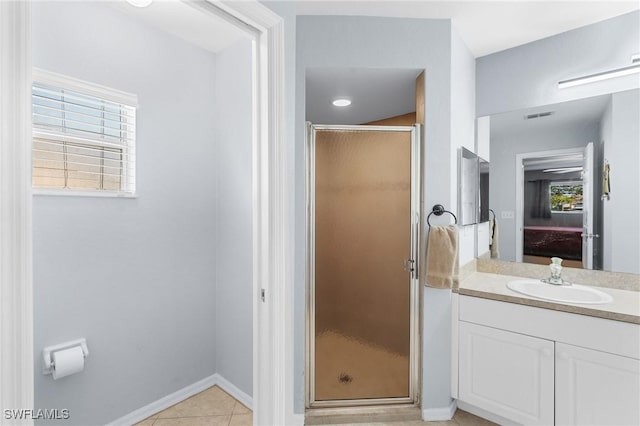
415,342
272,236
519,219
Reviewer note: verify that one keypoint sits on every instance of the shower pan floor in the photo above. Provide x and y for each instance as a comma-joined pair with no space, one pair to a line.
347,368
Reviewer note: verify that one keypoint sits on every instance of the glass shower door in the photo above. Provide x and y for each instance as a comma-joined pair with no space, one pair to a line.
363,252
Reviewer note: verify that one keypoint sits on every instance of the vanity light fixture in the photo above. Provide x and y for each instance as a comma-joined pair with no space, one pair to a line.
563,170
140,3
618,72
342,102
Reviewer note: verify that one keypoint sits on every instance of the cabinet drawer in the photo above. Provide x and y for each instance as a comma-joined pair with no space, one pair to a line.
590,332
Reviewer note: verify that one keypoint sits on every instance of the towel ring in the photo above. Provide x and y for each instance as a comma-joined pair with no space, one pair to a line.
494,213
439,210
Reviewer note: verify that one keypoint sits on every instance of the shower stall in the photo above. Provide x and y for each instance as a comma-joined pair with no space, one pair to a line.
362,243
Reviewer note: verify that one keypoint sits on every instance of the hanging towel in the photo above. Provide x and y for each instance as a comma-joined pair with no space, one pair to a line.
493,237
442,257
606,181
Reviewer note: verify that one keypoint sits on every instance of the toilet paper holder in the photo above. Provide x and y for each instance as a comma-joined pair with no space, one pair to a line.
47,353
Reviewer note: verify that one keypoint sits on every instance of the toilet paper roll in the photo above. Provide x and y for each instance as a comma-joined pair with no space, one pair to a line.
67,361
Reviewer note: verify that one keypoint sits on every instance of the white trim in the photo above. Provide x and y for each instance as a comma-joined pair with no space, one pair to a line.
16,285
180,395
234,391
166,402
85,87
485,414
127,104
440,414
519,219
454,345
273,315
297,420
78,193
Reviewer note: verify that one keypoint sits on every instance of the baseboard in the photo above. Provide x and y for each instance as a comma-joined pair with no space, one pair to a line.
297,419
232,390
440,414
485,414
182,394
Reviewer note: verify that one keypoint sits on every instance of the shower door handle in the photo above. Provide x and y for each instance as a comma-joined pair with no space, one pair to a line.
409,265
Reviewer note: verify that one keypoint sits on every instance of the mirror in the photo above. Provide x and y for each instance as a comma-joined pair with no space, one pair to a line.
548,188
468,193
483,190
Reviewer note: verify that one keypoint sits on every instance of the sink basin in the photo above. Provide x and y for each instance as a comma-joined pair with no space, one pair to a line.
568,294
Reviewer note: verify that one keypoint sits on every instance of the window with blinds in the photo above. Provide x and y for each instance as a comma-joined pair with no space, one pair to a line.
83,136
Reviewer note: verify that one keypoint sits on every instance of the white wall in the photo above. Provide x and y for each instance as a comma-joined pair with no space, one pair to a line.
502,192
436,304
463,91
622,212
527,75
234,245
133,276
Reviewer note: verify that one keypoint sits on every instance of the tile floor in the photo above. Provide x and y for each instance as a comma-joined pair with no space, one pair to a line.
211,407
460,418
215,407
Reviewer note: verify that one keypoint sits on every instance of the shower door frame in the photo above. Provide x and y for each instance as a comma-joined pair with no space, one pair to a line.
413,276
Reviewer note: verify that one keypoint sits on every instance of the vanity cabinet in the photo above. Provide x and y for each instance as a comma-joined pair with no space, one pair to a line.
506,373
532,366
595,388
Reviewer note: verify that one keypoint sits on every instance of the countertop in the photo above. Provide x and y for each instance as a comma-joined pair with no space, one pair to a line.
624,307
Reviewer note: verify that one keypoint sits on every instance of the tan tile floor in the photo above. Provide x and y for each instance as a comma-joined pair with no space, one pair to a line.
211,407
215,407
461,418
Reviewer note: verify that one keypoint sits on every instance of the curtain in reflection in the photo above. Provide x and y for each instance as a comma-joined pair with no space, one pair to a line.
541,207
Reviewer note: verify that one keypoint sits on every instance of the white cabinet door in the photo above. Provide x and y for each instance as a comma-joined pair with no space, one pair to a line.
507,374
596,388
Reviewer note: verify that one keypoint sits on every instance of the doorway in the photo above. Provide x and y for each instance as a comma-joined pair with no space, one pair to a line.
556,214
271,394
362,236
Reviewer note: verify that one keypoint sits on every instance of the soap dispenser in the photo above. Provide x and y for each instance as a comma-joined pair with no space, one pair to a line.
556,270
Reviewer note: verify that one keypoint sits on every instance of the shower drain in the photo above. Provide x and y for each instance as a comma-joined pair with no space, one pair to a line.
345,378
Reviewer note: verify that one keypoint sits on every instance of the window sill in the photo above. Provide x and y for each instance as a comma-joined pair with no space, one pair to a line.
77,193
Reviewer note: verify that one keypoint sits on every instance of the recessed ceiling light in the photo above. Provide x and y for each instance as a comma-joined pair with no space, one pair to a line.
139,3
341,102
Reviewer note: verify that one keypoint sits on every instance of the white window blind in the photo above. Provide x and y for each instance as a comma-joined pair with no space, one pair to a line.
83,135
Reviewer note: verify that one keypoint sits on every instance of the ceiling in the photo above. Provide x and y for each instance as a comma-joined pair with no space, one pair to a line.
207,31
580,112
485,26
364,87
587,110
